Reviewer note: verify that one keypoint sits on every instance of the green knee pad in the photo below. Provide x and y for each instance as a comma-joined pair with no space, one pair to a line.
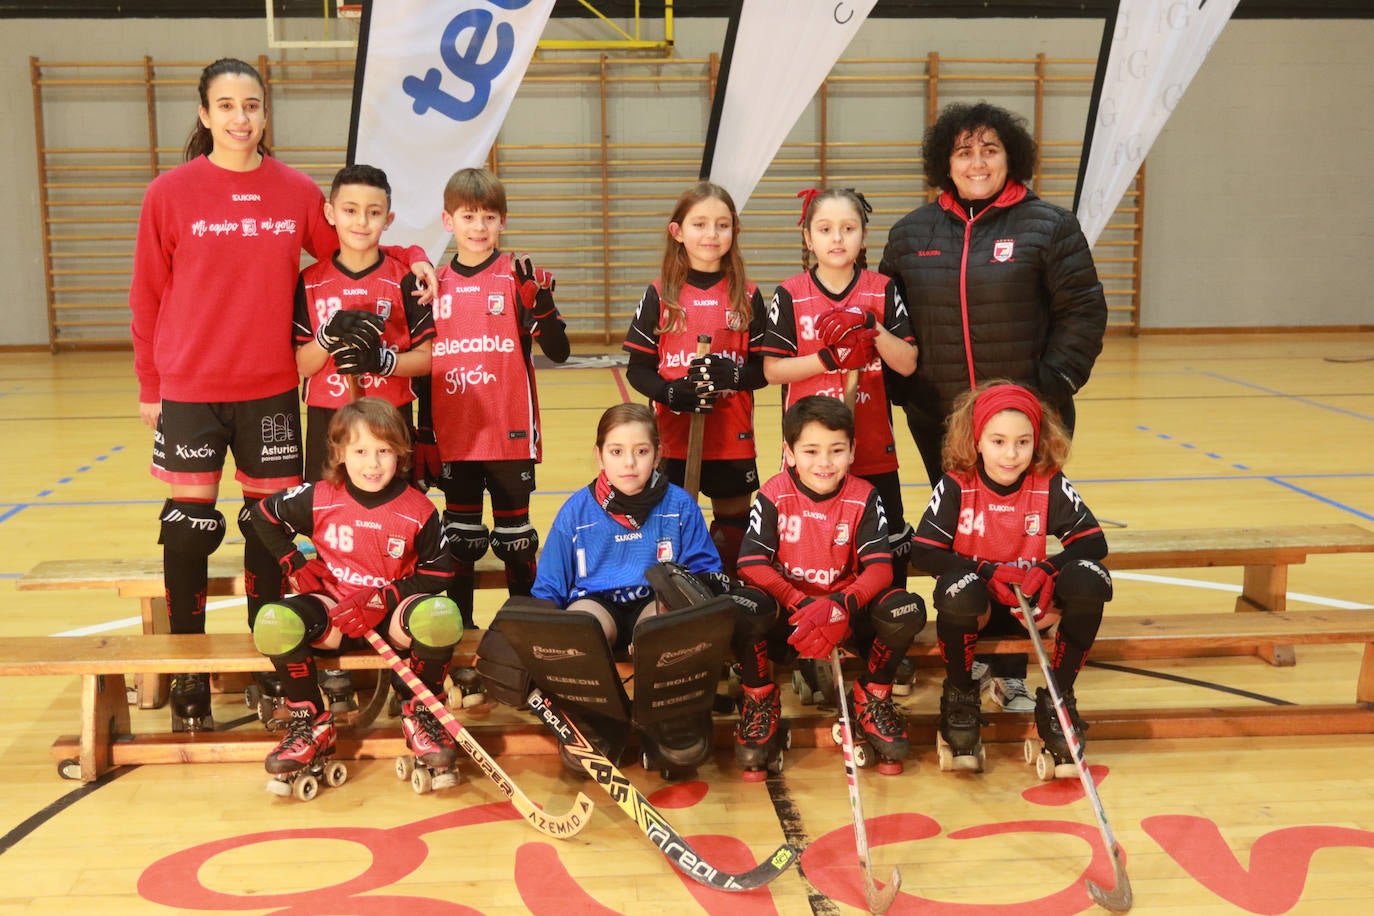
435,621
278,630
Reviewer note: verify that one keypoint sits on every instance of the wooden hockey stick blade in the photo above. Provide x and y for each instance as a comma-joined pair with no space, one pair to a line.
355,388
560,826
878,901
1119,898
851,389
649,819
696,435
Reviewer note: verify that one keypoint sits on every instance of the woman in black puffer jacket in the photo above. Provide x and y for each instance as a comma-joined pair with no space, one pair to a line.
999,283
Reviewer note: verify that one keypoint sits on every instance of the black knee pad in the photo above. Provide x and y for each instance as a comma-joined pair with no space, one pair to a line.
758,611
898,616
515,544
467,541
191,528
961,595
676,587
1082,582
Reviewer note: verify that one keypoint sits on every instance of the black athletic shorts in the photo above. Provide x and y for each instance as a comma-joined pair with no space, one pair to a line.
264,436
720,479
510,483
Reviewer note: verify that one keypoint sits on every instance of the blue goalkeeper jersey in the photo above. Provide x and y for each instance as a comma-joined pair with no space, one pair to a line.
587,552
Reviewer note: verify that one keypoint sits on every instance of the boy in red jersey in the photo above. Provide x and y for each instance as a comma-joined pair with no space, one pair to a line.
481,409
817,546
387,342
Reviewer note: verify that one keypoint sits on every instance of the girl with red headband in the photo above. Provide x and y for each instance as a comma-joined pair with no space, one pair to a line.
984,531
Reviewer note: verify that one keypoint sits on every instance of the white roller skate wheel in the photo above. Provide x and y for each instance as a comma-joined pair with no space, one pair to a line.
421,781
335,774
803,689
787,737
453,699
836,733
473,699
445,781
970,763
405,765
863,756
69,768
1065,771
946,757
306,787
1029,751
775,765
251,695
278,787
1044,766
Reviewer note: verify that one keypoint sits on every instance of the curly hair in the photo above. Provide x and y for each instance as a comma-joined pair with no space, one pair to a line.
958,119
960,451
384,422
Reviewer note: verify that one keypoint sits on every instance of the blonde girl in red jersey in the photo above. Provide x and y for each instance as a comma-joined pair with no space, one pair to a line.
702,289
834,316
985,530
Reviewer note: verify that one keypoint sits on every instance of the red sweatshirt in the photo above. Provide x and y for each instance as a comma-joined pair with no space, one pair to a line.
214,280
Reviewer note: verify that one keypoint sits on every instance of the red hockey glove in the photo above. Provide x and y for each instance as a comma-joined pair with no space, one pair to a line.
845,326
849,357
849,602
530,282
359,612
305,577
1038,585
821,625
1000,577
426,465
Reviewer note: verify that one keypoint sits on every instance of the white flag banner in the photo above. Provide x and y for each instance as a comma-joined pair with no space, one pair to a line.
777,53
434,81
1156,48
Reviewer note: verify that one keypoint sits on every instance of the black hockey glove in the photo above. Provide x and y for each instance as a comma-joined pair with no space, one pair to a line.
366,333
683,396
341,329
374,361
714,372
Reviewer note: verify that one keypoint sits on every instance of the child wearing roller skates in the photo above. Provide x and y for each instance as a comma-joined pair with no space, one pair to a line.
381,557
817,566
983,532
611,532
701,291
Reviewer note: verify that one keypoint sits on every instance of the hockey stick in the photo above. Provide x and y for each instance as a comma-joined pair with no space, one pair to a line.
649,819
1118,900
851,389
696,434
554,825
878,901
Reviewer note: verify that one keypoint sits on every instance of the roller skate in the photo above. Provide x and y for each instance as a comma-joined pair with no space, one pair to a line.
190,701
959,741
468,690
337,687
813,683
762,733
1053,758
879,729
301,761
432,761
904,678
677,746
263,696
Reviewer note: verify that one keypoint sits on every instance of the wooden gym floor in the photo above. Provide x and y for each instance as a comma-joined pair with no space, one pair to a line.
1193,431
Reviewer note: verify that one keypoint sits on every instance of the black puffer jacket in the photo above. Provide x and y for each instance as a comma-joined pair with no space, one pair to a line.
1012,294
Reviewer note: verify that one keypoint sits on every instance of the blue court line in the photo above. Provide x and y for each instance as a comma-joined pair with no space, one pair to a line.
1188,445
1322,499
1288,397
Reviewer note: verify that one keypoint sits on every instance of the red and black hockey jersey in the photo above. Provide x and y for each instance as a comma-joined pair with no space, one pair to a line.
800,544
483,399
792,315
368,540
730,425
386,289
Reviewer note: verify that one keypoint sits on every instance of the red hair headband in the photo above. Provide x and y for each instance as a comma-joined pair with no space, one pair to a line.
807,195
1006,397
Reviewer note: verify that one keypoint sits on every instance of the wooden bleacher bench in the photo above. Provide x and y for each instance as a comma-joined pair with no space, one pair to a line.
105,740
142,579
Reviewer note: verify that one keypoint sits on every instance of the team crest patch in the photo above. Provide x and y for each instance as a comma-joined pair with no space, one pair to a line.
1002,249
841,534
384,308
1033,523
665,550
496,303
734,322
395,547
